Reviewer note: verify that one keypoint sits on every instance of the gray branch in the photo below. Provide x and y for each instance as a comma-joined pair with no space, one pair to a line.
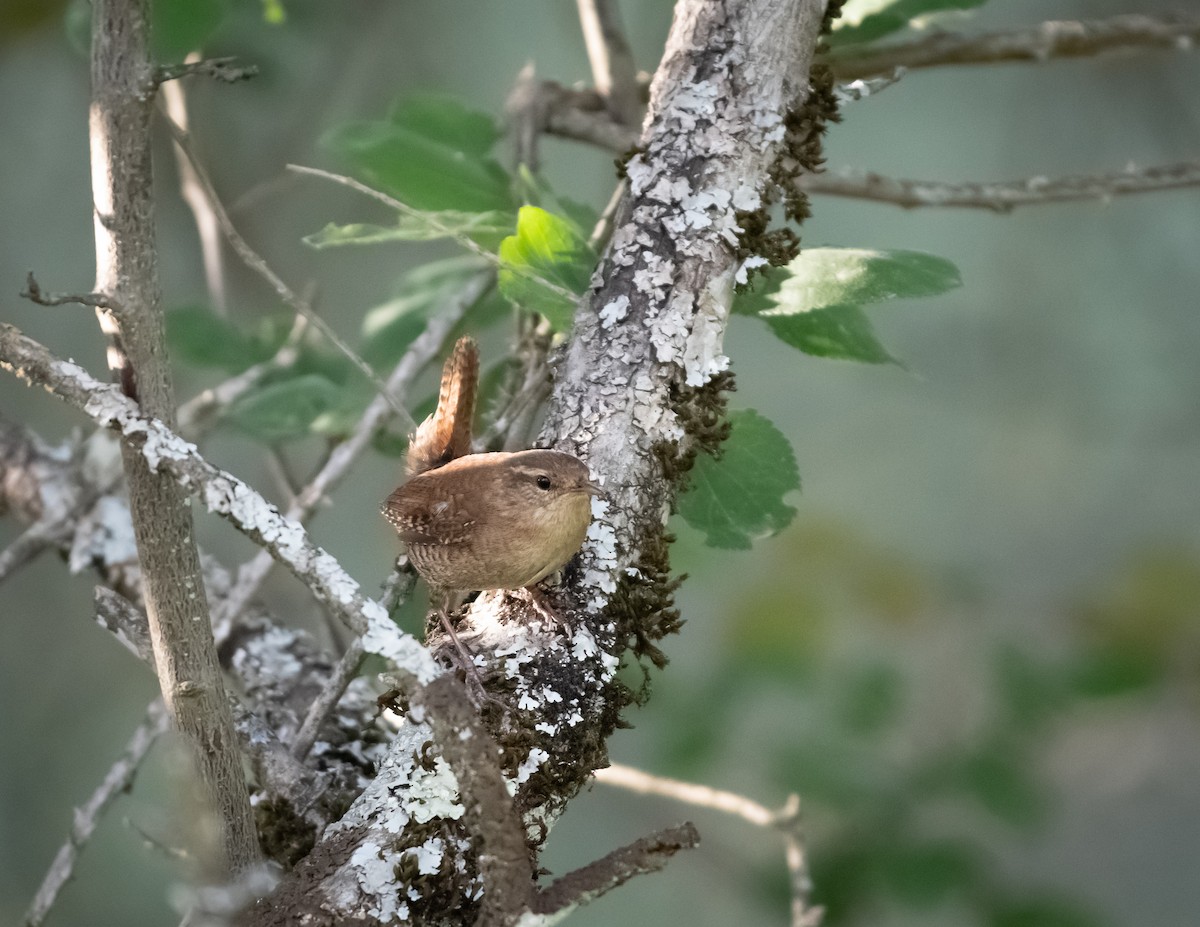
116,782
1063,39
1004,196
126,272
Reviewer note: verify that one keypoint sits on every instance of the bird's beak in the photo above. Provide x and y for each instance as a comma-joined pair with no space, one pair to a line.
592,488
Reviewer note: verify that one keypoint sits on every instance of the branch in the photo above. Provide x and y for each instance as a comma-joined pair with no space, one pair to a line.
1004,196
277,668
730,72
117,780
613,70
221,69
222,493
1129,32
649,854
786,821
189,673
33,292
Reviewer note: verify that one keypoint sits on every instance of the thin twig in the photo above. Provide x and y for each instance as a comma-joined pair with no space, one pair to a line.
33,292
117,780
221,69
208,228
252,260
1004,196
649,854
24,548
330,694
613,70
786,820
1128,32
432,220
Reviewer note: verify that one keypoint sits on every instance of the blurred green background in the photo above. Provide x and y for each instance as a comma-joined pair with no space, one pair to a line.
974,654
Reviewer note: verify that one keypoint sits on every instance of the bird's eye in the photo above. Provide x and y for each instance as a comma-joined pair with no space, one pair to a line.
543,482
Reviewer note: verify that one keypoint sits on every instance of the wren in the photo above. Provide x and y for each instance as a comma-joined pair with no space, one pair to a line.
474,522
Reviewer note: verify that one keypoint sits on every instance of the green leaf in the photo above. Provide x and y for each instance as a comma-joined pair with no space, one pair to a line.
444,118
546,265
999,778
285,408
389,329
814,303
183,26
871,698
485,228
839,332
178,26
925,874
739,497
198,336
1046,911
431,154
1108,671
867,20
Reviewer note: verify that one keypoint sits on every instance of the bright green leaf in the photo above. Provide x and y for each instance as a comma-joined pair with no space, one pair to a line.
814,303
485,228
739,497
285,408
867,20
545,266
432,155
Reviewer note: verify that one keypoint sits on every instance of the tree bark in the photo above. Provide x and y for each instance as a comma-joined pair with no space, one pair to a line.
123,89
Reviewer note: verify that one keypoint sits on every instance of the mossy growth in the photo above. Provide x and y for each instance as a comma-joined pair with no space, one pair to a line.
283,835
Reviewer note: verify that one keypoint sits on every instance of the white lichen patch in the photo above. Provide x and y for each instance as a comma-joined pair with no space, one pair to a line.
374,869
384,638
537,756
430,855
614,311
104,535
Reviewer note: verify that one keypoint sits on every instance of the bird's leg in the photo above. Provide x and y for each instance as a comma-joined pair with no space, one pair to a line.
542,605
463,657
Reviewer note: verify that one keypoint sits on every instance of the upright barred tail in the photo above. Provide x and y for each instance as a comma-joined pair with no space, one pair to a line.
446,434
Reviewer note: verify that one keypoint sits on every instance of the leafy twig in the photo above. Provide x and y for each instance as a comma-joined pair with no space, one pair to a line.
252,260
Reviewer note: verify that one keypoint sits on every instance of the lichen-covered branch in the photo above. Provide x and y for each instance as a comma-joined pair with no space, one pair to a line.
223,494
1053,39
636,395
